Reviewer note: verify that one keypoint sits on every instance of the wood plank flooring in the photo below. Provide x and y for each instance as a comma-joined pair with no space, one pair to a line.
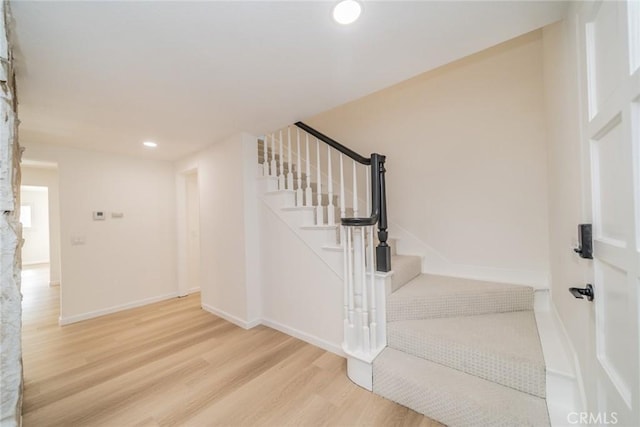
173,364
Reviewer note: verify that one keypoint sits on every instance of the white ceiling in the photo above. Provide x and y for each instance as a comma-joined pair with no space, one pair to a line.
108,75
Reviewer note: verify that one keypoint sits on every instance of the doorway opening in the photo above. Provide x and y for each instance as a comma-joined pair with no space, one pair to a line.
192,246
34,217
40,218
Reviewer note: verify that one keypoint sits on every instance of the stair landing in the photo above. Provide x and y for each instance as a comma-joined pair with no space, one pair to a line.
464,352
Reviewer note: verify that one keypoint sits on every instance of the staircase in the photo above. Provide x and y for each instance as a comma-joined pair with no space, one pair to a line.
462,352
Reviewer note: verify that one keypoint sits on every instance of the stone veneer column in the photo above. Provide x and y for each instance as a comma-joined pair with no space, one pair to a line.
10,236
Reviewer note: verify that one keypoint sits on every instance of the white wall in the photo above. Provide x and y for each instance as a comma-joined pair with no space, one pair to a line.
35,249
301,295
118,262
48,177
466,165
229,284
569,200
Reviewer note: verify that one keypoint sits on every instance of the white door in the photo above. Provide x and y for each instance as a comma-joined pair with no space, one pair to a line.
612,127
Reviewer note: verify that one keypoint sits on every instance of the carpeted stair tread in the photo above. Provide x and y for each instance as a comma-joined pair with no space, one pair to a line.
405,268
453,397
503,347
430,296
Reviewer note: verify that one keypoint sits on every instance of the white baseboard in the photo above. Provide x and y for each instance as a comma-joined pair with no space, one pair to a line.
565,393
231,318
541,300
581,398
90,315
311,339
33,263
189,291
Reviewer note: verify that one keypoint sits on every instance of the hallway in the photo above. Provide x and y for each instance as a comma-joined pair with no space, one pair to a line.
173,364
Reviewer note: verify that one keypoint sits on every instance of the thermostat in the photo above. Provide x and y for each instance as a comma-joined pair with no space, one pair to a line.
99,216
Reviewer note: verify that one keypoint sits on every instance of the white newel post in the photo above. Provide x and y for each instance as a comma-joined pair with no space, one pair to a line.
373,326
364,295
349,335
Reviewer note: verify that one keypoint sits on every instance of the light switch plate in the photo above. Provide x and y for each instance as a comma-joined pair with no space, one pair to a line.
78,240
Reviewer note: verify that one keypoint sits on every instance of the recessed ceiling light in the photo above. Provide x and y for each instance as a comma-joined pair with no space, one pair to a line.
347,11
150,144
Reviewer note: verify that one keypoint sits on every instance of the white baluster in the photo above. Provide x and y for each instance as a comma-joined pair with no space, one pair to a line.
331,213
274,166
308,196
319,210
373,324
358,258
290,173
366,342
299,189
281,182
370,284
355,191
343,212
265,159
349,333
347,294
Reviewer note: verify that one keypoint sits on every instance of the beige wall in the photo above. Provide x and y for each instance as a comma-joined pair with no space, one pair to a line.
119,262
466,157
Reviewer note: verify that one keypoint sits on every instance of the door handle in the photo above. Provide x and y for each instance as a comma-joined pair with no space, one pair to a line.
585,241
583,292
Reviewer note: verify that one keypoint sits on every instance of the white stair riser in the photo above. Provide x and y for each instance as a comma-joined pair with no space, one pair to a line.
320,237
281,199
299,217
404,271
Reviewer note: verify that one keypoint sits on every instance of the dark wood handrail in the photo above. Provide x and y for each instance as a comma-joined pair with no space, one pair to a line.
335,144
378,196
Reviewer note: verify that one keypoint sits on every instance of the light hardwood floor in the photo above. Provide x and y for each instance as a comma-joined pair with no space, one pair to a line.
173,364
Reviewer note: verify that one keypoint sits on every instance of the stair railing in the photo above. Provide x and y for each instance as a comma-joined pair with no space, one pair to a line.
364,331
377,193
364,290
